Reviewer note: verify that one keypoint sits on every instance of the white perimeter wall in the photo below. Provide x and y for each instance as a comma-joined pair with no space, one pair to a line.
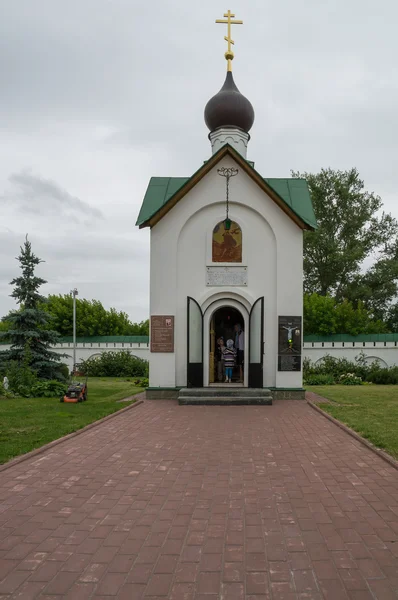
386,353
89,350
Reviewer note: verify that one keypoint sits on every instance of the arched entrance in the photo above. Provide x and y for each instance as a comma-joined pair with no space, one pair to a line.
201,321
222,328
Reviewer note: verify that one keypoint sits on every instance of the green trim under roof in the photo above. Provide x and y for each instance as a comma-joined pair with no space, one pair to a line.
106,339
144,339
344,337
294,193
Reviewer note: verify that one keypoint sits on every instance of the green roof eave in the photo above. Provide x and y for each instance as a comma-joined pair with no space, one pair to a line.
143,339
159,192
294,193
107,339
345,337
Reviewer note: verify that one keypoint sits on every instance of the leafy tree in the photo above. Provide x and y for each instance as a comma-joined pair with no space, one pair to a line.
27,333
323,315
350,230
92,319
4,327
141,328
376,288
392,317
319,315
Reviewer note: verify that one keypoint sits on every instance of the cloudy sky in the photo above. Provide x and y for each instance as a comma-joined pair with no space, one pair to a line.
96,96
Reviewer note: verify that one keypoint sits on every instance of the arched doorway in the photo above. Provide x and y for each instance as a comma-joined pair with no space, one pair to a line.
222,326
200,324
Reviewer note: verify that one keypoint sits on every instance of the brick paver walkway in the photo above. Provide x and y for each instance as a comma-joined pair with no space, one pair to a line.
202,503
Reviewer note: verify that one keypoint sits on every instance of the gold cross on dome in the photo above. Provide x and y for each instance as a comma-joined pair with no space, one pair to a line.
229,20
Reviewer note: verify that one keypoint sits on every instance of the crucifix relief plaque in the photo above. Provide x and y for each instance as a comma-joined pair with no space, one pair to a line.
162,333
289,344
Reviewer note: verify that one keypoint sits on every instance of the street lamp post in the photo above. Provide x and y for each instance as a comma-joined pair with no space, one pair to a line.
74,293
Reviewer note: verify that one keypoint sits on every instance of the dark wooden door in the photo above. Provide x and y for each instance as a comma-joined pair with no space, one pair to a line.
256,344
194,344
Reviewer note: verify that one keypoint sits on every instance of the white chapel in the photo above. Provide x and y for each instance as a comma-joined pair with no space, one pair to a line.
226,265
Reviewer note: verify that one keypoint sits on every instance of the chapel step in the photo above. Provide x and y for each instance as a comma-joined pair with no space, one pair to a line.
225,396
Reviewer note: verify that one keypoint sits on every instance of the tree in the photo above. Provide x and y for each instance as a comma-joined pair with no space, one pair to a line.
27,331
319,315
324,315
92,319
376,288
141,328
350,230
4,325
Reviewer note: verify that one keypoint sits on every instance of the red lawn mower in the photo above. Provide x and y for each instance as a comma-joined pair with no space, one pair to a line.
76,392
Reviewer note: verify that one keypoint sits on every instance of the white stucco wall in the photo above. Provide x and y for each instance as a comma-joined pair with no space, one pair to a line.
181,250
386,353
88,350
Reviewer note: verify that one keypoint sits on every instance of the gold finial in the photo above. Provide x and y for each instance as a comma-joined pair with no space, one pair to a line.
229,55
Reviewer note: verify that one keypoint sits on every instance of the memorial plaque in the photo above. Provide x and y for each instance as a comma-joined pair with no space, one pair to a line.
162,333
289,344
289,363
226,276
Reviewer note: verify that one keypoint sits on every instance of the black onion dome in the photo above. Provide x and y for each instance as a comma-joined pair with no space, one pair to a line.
229,108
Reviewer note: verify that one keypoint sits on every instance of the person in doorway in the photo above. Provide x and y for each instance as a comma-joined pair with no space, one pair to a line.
229,354
240,349
220,358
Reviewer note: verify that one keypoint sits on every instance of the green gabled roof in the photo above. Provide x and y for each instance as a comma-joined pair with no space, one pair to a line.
159,191
296,194
293,192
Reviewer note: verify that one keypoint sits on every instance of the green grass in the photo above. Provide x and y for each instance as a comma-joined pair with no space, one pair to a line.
370,410
28,423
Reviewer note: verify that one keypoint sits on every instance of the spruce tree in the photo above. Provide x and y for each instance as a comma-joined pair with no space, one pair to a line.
28,330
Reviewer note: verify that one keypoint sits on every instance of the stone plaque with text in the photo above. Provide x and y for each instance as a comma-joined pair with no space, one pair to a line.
227,276
289,363
162,333
289,344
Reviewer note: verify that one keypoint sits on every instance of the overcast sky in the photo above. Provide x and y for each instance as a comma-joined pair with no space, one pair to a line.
97,96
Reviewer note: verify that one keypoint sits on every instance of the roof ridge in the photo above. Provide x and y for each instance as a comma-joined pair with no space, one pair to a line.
154,206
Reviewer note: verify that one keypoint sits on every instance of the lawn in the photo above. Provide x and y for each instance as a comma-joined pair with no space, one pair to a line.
28,423
370,410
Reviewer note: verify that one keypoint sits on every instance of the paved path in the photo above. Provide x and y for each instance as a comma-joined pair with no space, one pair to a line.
202,503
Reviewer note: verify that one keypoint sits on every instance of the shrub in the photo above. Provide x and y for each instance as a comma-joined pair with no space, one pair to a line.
383,376
144,382
48,389
21,378
337,367
115,364
320,379
64,371
350,379
346,372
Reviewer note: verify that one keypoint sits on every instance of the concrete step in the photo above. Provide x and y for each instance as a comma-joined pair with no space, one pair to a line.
224,396
231,401
208,392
